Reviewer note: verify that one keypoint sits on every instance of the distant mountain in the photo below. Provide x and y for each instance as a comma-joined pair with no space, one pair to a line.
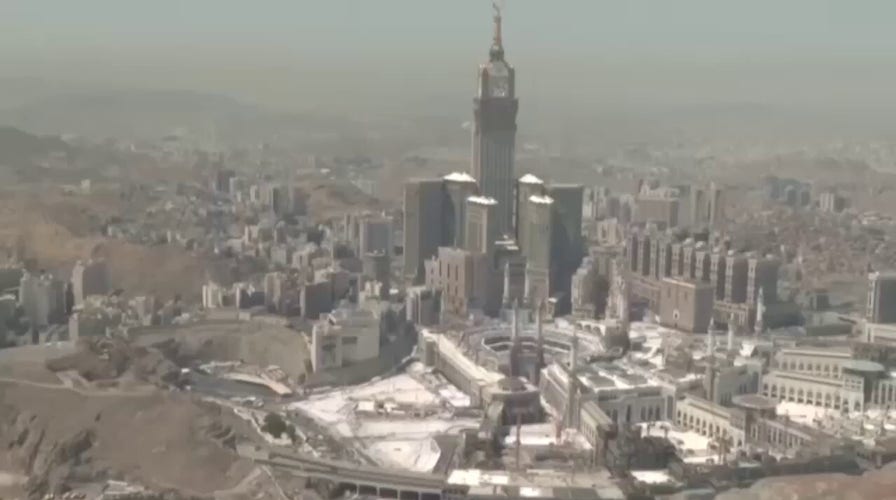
129,113
19,148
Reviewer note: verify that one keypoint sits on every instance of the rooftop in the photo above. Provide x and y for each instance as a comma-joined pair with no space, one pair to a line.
755,401
459,177
530,179
482,200
546,200
863,365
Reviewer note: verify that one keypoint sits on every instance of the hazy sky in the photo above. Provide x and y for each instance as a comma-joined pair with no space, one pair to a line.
306,52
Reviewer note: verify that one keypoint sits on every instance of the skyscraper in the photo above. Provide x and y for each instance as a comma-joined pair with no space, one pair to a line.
459,186
423,224
539,254
526,187
494,129
881,298
480,228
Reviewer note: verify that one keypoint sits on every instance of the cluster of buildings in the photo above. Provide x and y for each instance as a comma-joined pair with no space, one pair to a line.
487,239
690,279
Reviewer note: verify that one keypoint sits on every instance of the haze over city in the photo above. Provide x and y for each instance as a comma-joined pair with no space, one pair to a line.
403,56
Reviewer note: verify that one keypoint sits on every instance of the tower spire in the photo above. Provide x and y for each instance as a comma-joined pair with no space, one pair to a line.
497,18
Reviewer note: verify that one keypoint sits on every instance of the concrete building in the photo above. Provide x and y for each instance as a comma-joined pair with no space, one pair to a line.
540,254
589,289
881,307
736,278
706,205
481,231
658,206
486,388
7,312
423,225
762,274
567,232
686,304
715,205
698,212
42,297
89,278
494,131
512,267
316,298
212,296
423,306
345,336
526,187
831,202
377,266
274,288
717,274
464,279
10,278
459,187
375,234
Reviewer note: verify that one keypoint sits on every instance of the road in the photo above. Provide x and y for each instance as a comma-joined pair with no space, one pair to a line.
84,392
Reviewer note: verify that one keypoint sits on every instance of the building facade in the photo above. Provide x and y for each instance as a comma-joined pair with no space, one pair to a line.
494,130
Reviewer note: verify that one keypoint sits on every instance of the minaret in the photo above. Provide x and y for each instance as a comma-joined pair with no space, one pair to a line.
506,299
709,382
515,347
573,381
730,346
759,324
494,130
540,333
624,312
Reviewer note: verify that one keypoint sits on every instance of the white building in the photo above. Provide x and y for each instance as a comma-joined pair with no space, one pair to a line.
347,335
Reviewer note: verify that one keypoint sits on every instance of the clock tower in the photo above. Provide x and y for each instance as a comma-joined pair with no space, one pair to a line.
494,130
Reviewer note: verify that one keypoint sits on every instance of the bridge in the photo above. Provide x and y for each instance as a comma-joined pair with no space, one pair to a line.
349,477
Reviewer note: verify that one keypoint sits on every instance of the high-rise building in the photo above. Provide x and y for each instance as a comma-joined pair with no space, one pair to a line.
481,231
762,276
539,254
375,234
423,225
459,186
736,276
660,206
494,130
698,207
881,298
717,268
568,199
526,187
464,280
716,210
689,260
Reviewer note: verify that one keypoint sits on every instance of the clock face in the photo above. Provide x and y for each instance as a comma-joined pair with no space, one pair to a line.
498,79
499,87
